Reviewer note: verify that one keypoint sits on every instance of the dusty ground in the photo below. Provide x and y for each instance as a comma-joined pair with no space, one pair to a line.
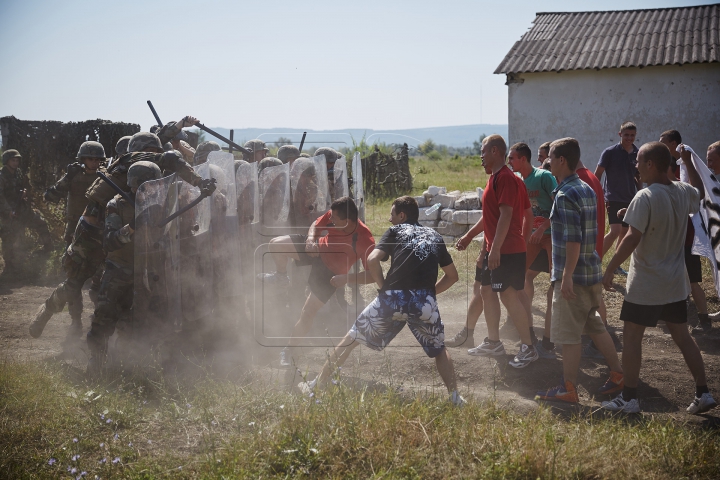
666,385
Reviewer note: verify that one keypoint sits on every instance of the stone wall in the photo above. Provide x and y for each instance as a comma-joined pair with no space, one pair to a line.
451,214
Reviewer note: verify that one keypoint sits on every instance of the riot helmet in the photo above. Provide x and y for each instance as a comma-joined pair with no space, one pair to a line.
140,172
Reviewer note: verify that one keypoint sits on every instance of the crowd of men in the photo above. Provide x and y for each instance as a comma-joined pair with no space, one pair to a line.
534,219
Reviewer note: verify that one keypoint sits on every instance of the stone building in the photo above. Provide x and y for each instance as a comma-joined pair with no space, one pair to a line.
581,74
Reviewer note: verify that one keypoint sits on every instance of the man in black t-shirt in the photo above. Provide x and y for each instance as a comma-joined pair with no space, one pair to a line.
406,296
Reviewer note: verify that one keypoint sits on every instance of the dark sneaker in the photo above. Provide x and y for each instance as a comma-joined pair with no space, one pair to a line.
619,404
564,393
621,271
545,353
42,317
701,405
461,339
613,385
488,349
525,357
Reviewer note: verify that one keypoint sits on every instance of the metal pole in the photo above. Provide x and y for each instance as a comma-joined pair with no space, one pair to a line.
232,135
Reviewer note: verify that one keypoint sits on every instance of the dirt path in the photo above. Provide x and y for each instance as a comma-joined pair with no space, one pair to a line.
666,385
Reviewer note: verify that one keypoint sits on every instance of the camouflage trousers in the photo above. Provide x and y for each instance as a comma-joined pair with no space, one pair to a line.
12,234
114,304
81,261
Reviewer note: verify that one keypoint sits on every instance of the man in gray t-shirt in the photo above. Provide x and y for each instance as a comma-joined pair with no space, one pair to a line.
658,283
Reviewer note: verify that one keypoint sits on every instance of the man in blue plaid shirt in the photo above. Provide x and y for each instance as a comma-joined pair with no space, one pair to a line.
577,274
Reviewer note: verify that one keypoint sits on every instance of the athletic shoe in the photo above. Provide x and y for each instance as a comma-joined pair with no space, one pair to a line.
456,399
488,348
565,392
274,278
589,351
545,353
525,357
701,405
461,339
714,316
613,385
702,327
618,404
285,358
307,388
621,271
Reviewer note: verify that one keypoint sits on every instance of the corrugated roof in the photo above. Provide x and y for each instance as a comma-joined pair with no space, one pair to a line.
614,39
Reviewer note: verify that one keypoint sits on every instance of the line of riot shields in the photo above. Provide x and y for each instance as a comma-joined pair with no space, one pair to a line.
198,271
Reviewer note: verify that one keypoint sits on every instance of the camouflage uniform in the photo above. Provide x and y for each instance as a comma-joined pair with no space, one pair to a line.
16,213
116,289
257,147
100,192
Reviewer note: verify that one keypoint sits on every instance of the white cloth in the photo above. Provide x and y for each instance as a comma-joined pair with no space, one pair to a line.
709,214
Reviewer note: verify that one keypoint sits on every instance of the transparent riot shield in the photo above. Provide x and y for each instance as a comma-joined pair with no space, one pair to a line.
309,200
248,210
339,177
358,189
157,293
274,185
224,225
196,272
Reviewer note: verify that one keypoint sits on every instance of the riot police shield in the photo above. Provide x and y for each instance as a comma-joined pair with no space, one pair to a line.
358,189
274,183
157,294
309,200
224,225
196,272
339,177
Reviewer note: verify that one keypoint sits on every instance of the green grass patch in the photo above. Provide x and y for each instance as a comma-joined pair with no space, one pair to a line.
130,428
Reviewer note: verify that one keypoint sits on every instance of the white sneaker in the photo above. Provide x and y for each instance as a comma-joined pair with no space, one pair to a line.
488,349
618,404
274,278
701,405
307,388
456,399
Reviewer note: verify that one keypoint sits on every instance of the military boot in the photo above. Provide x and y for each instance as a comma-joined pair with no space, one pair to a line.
42,317
76,326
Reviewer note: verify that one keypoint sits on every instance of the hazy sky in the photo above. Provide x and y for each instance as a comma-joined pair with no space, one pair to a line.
312,64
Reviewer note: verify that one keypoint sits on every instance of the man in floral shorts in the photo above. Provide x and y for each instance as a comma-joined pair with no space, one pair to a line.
406,296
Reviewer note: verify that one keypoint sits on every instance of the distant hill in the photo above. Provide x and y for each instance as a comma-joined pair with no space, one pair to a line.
456,136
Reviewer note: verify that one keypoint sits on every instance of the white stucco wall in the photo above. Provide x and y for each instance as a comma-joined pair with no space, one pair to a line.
590,105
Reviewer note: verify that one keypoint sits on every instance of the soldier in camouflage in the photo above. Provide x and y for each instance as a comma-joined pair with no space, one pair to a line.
288,154
73,185
148,147
258,148
121,147
204,150
84,254
116,290
16,212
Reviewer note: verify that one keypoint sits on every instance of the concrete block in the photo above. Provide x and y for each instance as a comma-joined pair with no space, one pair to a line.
446,214
449,240
422,202
427,214
445,200
433,190
479,192
429,223
451,229
467,202
466,217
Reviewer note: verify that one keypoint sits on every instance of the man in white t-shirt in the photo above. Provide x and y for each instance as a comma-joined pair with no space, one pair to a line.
657,284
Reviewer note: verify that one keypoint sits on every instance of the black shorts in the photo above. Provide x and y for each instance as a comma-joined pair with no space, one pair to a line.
320,274
510,273
541,264
693,266
612,209
648,315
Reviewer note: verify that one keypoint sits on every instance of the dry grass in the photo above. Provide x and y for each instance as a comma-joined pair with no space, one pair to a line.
216,429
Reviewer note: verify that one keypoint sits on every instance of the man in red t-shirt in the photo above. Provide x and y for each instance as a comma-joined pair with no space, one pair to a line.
331,255
507,221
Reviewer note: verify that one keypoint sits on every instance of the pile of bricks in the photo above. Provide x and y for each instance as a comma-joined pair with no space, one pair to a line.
457,212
